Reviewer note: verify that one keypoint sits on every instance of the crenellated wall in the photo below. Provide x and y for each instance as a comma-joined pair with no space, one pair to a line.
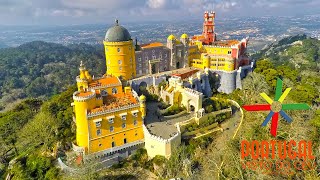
158,146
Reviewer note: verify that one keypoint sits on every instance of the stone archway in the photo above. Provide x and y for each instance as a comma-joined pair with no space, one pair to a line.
191,106
178,65
167,99
153,68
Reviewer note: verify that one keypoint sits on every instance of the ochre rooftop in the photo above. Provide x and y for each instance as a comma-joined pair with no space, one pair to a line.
225,43
84,94
104,81
150,45
116,101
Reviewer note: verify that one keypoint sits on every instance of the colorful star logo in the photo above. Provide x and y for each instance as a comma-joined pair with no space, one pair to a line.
276,107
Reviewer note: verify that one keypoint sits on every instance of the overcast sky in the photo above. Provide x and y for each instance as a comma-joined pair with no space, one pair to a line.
62,12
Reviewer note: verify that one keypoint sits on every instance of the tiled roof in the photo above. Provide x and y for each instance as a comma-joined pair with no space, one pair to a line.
150,45
116,101
104,81
225,43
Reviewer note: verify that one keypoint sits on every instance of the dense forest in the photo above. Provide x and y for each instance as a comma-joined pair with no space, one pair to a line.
35,131
40,69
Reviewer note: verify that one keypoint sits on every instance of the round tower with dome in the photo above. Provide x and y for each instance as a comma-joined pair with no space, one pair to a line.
119,52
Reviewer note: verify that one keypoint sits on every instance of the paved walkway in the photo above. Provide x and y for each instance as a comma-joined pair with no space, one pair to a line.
158,126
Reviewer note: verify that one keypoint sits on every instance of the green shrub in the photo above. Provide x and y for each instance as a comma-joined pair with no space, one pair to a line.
159,160
174,109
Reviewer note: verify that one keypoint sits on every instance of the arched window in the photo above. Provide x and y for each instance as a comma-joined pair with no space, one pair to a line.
111,128
119,61
123,125
114,90
118,49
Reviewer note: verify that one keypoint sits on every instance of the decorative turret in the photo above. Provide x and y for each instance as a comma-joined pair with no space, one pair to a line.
184,39
120,52
83,79
171,41
206,70
191,80
208,27
142,101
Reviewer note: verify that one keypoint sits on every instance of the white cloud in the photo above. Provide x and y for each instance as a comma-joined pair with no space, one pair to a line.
156,4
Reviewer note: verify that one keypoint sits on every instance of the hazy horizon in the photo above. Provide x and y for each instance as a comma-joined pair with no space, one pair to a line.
85,12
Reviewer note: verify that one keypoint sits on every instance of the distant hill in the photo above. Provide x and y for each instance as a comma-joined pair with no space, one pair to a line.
297,60
2,45
42,69
299,51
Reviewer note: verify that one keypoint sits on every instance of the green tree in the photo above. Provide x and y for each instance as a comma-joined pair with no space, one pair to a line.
263,65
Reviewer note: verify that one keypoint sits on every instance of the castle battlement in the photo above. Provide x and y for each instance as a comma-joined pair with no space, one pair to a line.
193,92
103,112
157,138
83,96
104,86
135,94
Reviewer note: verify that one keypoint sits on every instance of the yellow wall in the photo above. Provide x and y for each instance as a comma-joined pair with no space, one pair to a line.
203,62
131,132
217,50
155,147
81,108
126,54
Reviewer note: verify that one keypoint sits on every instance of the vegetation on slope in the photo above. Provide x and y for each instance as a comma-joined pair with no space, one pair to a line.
43,69
32,134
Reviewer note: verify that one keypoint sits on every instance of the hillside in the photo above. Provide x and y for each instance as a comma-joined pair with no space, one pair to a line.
35,131
297,60
40,69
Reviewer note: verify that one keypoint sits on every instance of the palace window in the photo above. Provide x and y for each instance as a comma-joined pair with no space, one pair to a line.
124,125
139,59
135,122
229,52
111,128
140,65
100,144
98,132
125,141
120,68
146,58
118,49
134,113
111,120
119,62
98,124
114,91
124,117
113,144
153,57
